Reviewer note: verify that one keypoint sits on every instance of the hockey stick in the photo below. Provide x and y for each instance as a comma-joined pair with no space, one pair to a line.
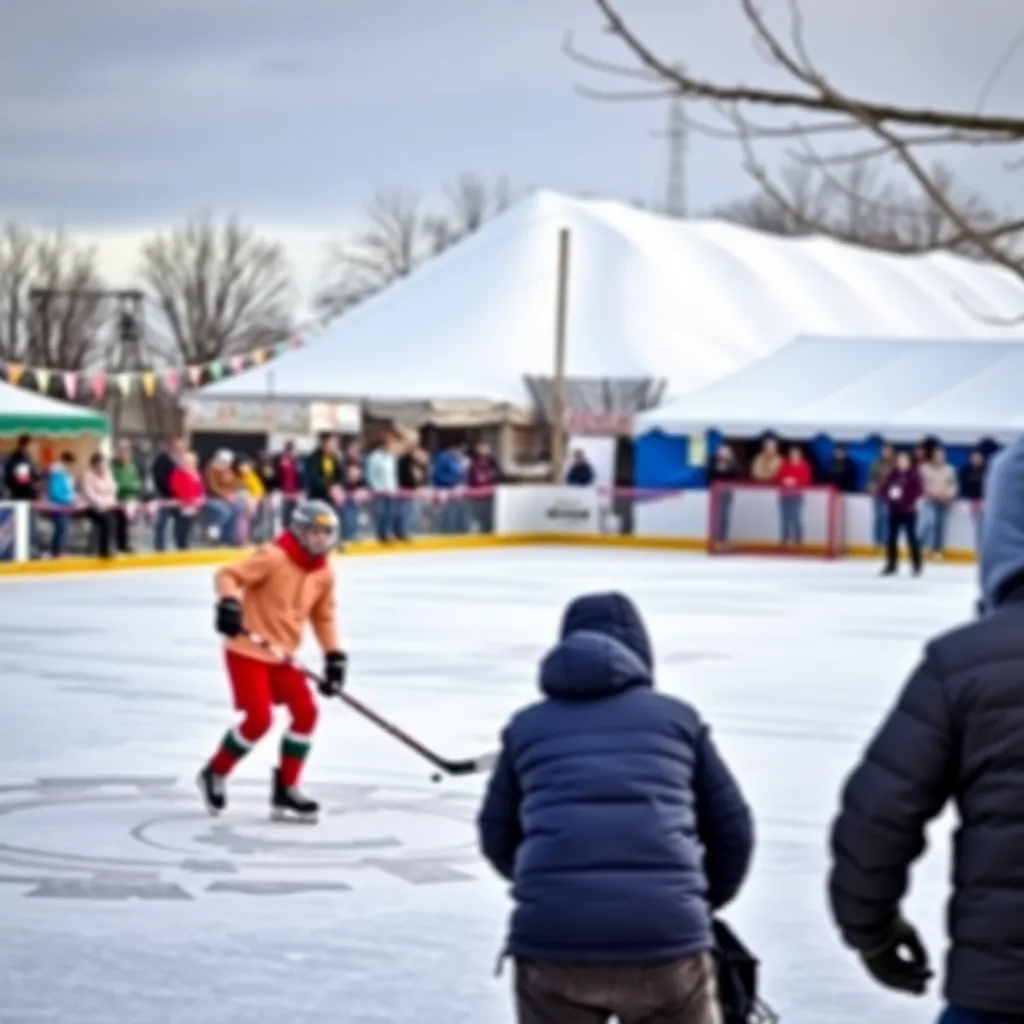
466,766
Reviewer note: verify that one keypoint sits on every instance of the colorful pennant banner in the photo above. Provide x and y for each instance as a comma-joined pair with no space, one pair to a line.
73,384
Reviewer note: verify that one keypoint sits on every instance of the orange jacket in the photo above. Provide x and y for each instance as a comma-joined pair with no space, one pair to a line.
222,482
281,589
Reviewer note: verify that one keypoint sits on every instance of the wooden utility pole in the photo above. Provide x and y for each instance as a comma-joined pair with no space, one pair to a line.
558,409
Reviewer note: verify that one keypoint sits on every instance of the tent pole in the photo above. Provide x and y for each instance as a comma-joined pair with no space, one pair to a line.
558,409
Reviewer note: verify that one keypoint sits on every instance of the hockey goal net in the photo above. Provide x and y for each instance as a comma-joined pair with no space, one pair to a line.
757,519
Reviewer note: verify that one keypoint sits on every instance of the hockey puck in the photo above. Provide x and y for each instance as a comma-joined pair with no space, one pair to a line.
436,777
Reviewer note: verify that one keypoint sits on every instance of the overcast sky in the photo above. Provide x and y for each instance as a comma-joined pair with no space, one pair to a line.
118,116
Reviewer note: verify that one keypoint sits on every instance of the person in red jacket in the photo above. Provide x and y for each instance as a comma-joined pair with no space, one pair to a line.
186,487
792,479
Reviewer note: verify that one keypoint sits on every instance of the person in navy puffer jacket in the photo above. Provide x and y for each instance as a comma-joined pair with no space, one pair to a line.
621,829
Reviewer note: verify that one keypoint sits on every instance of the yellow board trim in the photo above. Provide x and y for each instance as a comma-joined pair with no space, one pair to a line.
471,542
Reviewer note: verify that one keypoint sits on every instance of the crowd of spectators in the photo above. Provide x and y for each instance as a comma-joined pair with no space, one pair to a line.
919,512
395,489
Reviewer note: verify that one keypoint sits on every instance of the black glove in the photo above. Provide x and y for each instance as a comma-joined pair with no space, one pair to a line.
900,961
335,667
229,617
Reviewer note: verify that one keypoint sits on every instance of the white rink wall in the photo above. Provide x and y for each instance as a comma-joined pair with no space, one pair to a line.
683,516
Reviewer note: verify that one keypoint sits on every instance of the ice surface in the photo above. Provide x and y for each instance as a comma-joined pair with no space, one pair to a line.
120,901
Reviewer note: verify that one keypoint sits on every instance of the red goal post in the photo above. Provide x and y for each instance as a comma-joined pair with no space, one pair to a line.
759,519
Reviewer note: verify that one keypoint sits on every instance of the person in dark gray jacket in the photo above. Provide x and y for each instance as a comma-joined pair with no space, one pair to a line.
956,733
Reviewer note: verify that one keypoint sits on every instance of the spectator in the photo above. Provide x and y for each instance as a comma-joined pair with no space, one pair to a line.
190,495
99,492
61,499
880,469
353,484
956,734
842,472
919,455
902,489
254,501
382,481
767,463
482,476
581,472
792,479
621,829
23,480
129,494
939,480
22,475
413,473
972,487
222,490
449,479
167,512
289,482
323,472
724,469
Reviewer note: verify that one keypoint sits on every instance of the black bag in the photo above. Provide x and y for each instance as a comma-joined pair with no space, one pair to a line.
737,980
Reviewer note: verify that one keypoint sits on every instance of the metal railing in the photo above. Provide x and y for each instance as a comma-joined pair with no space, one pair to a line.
144,526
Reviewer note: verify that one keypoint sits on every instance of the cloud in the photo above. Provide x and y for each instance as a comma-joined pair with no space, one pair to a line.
120,115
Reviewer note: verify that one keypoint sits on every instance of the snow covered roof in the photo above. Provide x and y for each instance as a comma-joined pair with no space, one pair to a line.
850,388
23,411
650,297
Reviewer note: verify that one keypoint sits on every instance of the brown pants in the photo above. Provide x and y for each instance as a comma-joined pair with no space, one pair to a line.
681,992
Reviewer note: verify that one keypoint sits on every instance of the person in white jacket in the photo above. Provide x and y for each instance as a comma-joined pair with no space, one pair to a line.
940,491
381,472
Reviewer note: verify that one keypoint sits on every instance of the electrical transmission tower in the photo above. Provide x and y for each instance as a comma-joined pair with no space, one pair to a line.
676,137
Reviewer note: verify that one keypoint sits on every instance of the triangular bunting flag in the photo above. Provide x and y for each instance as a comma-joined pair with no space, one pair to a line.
195,376
295,341
98,384
280,347
42,380
70,385
172,380
237,364
15,371
124,383
215,370
149,384
258,357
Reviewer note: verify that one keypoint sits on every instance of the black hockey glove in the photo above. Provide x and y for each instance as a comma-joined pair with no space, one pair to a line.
335,667
901,961
229,617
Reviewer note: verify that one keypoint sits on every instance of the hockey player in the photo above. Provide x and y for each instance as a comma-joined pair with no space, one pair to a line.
274,592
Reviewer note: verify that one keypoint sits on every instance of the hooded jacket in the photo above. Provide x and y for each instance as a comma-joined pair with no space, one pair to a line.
956,733
609,807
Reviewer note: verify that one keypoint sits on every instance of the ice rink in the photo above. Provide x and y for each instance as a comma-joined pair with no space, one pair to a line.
121,901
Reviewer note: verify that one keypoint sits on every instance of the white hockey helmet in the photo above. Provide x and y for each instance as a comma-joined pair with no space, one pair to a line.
314,525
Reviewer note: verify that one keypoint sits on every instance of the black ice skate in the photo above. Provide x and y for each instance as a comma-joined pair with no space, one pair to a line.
212,790
288,804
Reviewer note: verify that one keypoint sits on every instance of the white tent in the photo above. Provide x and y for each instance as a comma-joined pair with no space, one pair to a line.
651,297
28,412
851,388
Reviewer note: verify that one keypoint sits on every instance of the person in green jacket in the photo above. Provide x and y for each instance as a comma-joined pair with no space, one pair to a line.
129,493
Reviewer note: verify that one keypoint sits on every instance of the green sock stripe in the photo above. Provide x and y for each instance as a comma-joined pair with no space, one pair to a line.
235,745
295,749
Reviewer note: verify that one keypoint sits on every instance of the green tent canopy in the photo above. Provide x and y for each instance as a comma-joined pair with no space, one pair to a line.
27,412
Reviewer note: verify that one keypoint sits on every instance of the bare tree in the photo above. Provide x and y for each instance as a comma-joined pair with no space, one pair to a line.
400,235
856,204
47,318
220,289
388,248
894,137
